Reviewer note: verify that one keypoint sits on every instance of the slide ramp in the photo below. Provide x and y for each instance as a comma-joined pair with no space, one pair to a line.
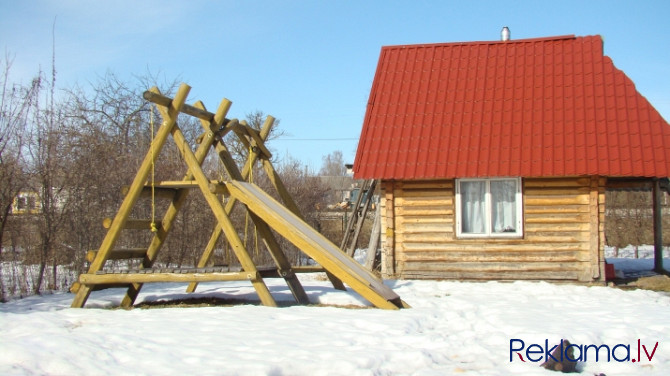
315,245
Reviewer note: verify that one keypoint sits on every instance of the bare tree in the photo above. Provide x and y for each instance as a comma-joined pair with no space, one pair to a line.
333,165
255,120
16,103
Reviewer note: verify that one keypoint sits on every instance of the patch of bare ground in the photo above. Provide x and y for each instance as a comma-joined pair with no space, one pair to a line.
226,302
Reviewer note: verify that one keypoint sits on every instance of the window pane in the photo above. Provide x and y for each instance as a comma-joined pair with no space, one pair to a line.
473,219
503,206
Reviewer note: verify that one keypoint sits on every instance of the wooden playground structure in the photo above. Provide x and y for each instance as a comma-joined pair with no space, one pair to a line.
266,213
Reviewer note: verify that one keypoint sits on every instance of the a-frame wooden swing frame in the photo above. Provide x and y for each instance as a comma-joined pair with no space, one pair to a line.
283,218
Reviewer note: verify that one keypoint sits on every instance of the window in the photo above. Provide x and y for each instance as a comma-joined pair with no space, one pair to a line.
488,208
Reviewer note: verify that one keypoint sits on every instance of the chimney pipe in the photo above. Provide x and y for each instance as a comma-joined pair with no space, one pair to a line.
505,34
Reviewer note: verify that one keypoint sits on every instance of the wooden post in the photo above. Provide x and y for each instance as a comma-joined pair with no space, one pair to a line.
658,227
133,192
388,248
593,272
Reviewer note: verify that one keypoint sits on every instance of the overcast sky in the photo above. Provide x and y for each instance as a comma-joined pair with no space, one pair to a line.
308,63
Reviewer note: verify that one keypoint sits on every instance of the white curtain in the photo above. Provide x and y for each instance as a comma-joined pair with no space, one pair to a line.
473,196
503,206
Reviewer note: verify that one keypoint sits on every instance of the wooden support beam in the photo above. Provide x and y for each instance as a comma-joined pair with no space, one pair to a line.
180,184
658,227
123,278
131,224
157,98
374,240
159,192
135,190
256,141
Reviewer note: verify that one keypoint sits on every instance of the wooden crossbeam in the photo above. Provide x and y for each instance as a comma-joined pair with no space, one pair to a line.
132,224
158,192
137,277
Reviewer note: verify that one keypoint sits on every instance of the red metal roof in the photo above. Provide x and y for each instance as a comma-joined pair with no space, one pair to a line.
534,107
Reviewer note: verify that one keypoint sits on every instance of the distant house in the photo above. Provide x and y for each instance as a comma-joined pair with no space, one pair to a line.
27,202
494,157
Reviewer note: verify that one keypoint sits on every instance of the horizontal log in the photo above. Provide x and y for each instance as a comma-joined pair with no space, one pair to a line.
491,276
557,182
308,269
424,238
136,277
441,220
508,256
420,193
555,227
557,237
425,184
185,108
159,192
557,200
556,191
180,184
423,210
119,254
558,218
490,267
132,224
425,229
529,209
423,201
489,245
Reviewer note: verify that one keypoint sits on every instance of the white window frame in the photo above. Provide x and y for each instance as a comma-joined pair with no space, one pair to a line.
518,233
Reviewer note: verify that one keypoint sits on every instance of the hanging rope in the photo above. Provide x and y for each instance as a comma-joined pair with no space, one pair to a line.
154,227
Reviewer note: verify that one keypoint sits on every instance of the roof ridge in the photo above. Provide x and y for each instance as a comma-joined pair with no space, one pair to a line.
472,43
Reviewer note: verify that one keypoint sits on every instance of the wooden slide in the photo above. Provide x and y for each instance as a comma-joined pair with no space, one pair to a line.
315,245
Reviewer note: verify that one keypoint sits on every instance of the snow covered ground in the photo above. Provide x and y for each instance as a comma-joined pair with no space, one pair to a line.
453,328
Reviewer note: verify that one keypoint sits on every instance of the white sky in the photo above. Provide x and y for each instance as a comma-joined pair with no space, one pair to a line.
308,63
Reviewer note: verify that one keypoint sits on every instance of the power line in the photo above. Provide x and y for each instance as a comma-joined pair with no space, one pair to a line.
316,139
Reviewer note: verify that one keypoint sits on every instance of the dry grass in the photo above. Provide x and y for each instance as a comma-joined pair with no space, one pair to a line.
654,283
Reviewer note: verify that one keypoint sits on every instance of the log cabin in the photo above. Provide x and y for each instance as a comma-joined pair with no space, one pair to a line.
494,157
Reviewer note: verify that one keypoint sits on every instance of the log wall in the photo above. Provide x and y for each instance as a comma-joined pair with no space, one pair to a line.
563,235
